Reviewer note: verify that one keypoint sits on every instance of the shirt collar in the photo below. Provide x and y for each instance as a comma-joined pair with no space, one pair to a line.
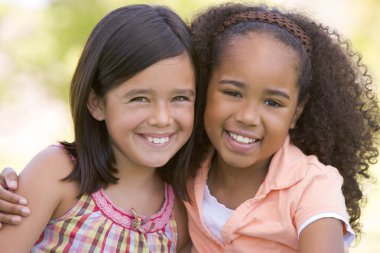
287,167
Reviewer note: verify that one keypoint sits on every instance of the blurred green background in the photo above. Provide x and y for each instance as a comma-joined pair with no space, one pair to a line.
41,40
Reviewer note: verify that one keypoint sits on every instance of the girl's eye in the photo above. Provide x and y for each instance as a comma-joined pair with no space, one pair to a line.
181,99
139,99
233,93
273,103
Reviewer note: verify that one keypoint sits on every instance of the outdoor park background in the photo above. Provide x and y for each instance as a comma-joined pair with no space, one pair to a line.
41,40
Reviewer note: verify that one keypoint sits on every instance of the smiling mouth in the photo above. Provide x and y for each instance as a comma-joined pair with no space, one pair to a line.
156,140
241,139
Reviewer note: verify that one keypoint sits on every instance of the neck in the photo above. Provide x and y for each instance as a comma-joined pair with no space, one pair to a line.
138,187
133,173
231,185
137,176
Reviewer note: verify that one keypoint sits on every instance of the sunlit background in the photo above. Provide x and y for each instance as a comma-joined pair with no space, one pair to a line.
41,40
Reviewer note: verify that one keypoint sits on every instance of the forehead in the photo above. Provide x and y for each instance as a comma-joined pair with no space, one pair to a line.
260,49
174,73
177,69
258,59
261,45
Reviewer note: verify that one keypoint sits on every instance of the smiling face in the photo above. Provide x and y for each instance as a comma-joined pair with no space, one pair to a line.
150,116
252,100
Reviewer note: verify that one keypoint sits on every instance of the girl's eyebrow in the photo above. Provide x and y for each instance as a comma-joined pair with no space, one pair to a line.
233,82
273,92
134,92
189,92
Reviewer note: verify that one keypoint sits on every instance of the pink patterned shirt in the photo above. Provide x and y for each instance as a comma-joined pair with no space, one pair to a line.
94,224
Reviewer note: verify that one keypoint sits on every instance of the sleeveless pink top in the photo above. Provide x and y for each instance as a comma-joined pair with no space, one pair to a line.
94,224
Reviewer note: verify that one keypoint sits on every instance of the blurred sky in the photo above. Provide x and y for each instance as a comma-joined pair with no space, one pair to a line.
29,4
31,118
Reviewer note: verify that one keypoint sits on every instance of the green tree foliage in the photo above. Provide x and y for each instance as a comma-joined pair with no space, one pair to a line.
50,40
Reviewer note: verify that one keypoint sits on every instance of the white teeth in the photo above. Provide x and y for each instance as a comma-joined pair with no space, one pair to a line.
158,140
241,139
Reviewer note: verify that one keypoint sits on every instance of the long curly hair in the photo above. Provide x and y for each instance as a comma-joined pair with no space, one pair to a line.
340,121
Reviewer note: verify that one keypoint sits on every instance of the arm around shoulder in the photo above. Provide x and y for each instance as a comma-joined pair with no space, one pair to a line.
40,182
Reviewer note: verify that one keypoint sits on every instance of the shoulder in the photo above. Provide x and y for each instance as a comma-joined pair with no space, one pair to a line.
319,180
292,170
49,166
40,183
43,177
315,170
53,160
320,190
309,167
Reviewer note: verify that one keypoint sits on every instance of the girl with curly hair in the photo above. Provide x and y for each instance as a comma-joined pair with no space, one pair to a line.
290,119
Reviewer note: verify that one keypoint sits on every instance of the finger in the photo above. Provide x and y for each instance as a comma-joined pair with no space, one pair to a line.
10,219
2,182
11,197
10,177
13,209
10,203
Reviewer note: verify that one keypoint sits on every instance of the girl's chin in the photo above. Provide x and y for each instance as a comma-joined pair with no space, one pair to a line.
157,164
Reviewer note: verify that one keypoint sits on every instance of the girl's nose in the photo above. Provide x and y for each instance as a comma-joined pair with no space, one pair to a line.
248,114
161,116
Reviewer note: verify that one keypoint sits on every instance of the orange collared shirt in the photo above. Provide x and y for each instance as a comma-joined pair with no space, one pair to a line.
296,188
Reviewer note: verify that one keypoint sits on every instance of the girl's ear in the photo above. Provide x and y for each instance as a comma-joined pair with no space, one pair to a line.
96,107
298,112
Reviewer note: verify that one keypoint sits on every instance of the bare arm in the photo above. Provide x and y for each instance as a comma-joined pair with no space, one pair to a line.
40,183
322,236
12,206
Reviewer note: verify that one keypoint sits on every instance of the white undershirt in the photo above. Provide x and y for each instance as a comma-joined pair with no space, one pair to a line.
215,215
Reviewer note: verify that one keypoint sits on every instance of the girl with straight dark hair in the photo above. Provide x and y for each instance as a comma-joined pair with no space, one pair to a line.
132,100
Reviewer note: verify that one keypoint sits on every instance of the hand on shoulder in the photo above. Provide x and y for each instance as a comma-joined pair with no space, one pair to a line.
41,184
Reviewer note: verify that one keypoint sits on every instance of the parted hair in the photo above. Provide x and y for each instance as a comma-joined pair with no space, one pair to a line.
123,43
340,121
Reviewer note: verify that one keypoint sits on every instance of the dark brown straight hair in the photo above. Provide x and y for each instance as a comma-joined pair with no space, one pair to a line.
123,43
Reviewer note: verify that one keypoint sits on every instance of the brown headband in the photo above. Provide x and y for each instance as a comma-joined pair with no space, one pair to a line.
270,18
